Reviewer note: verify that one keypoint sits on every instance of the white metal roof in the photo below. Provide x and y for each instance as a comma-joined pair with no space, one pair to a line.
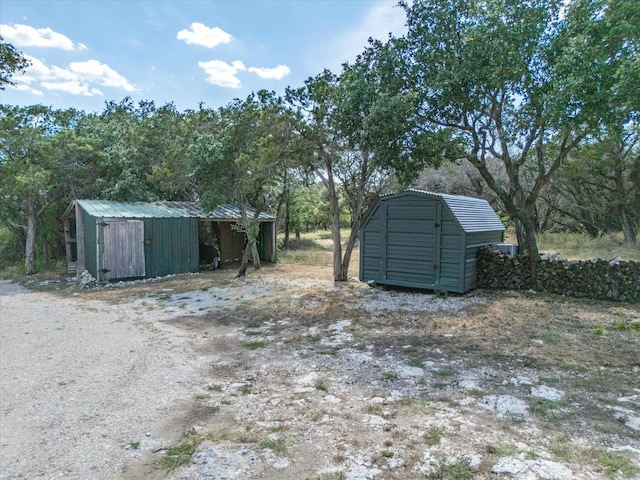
111,209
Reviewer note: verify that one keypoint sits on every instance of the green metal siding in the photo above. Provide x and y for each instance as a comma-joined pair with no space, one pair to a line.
422,240
171,246
90,243
370,247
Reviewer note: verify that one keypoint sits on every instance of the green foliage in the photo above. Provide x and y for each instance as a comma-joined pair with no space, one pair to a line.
179,455
614,463
459,470
506,80
255,345
276,444
433,435
11,61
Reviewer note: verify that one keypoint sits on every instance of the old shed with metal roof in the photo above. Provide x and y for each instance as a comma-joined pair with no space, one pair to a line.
118,240
426,240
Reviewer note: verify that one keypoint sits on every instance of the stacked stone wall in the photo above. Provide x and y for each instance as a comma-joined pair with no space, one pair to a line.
598,279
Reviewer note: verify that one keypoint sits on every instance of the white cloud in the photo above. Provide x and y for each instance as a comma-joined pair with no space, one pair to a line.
200,34
276,73
27,88
75,87
27,36
80,78
222,73
94,71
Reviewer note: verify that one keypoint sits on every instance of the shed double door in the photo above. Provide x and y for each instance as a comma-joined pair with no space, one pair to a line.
411,242
123,249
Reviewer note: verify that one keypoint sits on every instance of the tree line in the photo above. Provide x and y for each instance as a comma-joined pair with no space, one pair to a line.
532,105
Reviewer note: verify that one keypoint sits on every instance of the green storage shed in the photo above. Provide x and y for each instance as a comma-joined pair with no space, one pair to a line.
426,240
118,240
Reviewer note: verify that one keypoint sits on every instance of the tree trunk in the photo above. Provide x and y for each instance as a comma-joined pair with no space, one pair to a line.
526,234
245,260
287,222
29,251
627,230
252,231
255,255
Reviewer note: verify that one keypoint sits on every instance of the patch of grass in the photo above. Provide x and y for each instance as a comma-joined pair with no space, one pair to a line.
415,405
201,397
234,435
613,463
303,244
214,387
549,380
545,408
179,455
475,393
255,345
389,376
320,385
134,445
460,470
576,246
502,450
330,476
433,435
252,332
278,445
416,362
621,326
551,338
444,372
636,324
254,323
599,330
561,448
245,389
276,329
387,453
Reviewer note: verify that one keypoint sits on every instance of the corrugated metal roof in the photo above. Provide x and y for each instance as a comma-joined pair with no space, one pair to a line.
111,209
473,214
227,211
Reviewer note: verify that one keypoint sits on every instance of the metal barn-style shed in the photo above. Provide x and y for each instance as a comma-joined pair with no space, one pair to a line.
426,240
118,240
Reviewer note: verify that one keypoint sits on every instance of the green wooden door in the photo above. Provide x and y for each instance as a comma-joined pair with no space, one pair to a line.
410,243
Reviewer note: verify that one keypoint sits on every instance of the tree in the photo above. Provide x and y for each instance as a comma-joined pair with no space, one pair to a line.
243,159
507,77
11,61
601,184
360,135
28,168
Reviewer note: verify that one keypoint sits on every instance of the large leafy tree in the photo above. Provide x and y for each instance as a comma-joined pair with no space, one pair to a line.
360,135
242,160
11,61
31,168
508,78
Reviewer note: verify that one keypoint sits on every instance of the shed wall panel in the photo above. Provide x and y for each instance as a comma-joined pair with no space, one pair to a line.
90,242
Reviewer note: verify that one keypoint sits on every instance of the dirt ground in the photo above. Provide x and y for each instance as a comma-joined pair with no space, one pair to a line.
297,377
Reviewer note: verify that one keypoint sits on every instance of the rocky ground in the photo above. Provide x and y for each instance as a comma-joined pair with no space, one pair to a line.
286,375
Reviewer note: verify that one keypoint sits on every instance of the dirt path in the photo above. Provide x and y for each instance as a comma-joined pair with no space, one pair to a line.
288,375
85,387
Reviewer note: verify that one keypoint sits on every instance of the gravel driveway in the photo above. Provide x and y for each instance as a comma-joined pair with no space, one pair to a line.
87,411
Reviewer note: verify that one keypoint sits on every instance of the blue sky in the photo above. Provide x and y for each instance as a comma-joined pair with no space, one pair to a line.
85,53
